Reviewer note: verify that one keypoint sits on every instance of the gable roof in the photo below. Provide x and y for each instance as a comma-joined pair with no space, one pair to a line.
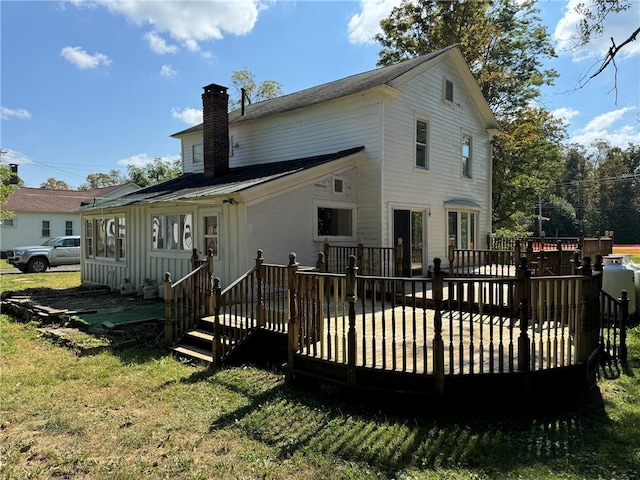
195,185
26,199
327,91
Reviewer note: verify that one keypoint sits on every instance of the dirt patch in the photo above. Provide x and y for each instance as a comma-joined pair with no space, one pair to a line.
57,312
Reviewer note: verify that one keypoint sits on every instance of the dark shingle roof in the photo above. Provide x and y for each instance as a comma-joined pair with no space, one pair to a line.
327,91
26,199
194,185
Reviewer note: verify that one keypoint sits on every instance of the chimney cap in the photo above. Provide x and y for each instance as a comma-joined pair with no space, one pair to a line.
214,88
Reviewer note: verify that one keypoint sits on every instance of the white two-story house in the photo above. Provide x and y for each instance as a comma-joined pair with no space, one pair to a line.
400,151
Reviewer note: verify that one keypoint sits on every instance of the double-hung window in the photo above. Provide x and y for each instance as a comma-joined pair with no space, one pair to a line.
466,156
46,229
422,145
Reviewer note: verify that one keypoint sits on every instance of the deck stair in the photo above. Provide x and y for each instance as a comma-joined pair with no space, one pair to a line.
197,343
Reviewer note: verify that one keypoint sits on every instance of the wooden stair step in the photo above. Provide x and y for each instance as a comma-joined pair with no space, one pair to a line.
201,335
194,352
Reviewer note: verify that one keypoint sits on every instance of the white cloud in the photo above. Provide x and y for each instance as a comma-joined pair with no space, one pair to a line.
190,116
606,127
81,59
7,113
364,25
191,22
617,26
158,44
167,71
565,113
143,159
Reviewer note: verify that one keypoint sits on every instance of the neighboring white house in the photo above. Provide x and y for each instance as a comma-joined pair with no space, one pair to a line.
400,151
39,214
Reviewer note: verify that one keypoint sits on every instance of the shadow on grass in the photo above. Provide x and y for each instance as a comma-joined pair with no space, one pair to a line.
295,423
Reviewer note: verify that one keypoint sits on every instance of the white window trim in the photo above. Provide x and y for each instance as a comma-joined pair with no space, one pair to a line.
462,209
470,160
336,205
421,118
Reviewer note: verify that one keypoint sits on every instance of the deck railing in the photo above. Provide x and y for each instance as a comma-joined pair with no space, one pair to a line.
188,299
448,326
589,246
379,261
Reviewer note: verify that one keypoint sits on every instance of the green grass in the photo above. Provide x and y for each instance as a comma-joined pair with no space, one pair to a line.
140,413
50,279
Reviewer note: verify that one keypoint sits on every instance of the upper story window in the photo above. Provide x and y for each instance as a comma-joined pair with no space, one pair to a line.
448,91
196,153
422,133
466,156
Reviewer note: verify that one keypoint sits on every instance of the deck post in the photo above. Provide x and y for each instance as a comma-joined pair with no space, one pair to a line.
517,253
195,306
325,250
588,334
524,344
351,297
399,258
210,302
292,333
216,347
169,326
438,342
451,255
360,259
321,264
260,271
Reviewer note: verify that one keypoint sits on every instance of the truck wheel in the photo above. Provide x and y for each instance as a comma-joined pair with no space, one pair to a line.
37,265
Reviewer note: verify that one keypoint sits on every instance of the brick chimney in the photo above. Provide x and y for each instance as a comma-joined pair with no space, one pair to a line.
215,131
14,179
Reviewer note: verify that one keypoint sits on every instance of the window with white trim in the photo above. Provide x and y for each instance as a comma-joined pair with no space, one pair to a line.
462,226
196,153
422,145
172,232
46,229
211,234
466,156
105,238
68,227
8,222
334,221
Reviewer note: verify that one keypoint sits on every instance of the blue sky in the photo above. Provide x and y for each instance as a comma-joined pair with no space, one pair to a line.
91,86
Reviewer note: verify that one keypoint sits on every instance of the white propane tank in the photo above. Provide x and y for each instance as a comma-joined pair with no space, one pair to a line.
149,290
617,276
127,287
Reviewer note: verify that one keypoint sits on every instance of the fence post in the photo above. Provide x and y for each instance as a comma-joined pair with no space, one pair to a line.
438,342
210,303
351,297
399,258
260,271
624,299
292,331
168,321
216,347
524,345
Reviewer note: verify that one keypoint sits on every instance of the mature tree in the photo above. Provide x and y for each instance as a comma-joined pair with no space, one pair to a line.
505,46
6,189
253,92
591,26
55,184
101,180
155,172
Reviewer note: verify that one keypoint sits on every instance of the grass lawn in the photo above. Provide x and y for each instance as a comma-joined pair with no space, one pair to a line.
139,413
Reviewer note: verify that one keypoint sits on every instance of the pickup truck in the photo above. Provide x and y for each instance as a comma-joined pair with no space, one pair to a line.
52,253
